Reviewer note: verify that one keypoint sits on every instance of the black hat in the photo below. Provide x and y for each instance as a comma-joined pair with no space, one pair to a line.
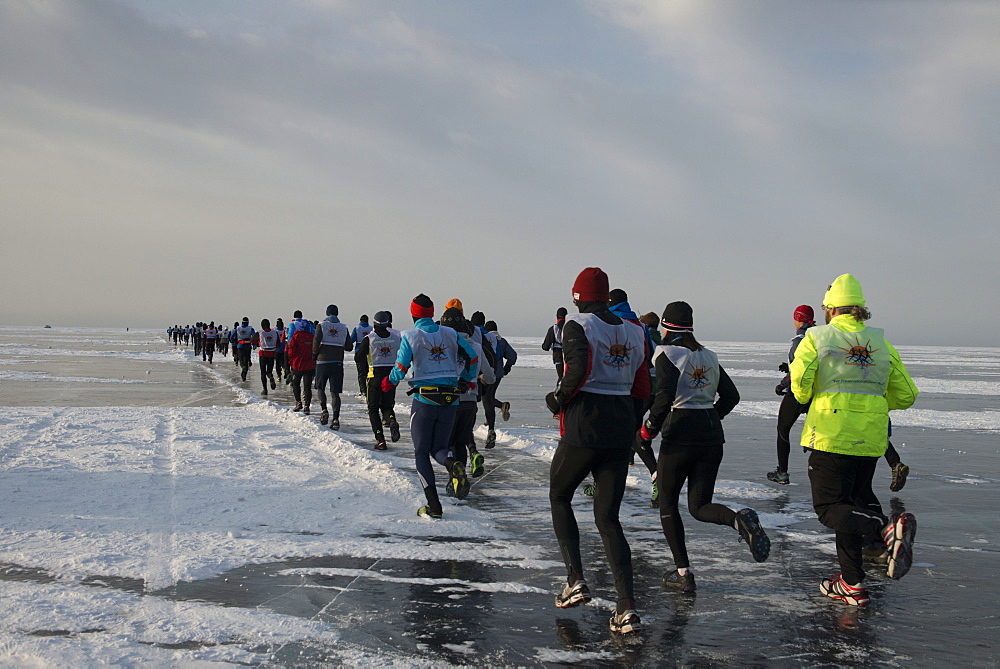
561,312
618,296
332,310
383,318
678,317
453,318
478,318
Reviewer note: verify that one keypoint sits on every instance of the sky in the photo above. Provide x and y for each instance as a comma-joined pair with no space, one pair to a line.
173,161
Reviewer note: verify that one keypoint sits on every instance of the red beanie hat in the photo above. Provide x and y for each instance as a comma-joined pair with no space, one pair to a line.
422,307
591,285
804,313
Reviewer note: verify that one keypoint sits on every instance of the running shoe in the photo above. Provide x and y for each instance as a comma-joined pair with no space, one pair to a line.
751,532
393,430
476,464
573,595
837,588
298,406
380,446
491,439
626,622
778,476
335,423
590,489
264,392
505,411
899,474
427,512
683,583
305,410
898,536
458,484
273,384
324,417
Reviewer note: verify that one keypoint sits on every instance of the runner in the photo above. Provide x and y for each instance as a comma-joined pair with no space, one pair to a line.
244,335
434,353
298,348
380,349
211,335
688,378
506,357
329,344
280,361
853,377
790,409
359,332
597,425
462,442
267,342
490,342
553,340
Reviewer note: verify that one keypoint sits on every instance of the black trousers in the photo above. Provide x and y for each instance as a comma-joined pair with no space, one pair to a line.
699,466
841,492
381,406
302,382
491,403
208,350
570,465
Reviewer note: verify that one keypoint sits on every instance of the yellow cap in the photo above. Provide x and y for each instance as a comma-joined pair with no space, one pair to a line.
845,291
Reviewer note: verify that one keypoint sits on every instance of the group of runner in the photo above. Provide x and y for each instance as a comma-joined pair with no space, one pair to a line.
623,381
613,367
457,363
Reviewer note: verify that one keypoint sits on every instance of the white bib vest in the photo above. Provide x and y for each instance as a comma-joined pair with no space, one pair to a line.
382,351
244,333
435,354
699,379
851,362
334,334
268,340
617,352
211,333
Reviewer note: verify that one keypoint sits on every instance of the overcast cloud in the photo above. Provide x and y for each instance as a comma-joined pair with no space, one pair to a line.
166,161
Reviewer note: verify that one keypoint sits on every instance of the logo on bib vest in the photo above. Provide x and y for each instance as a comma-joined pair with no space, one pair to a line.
699,377
618,354
859,354
436,353
383,351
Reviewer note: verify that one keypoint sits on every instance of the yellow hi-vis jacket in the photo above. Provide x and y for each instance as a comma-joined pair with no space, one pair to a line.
853,377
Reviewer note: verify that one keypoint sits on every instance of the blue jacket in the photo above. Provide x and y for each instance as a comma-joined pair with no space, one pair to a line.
624,311
405,357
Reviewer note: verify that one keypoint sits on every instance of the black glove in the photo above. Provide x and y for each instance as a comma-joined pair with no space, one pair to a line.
779,390
783,367
506,369
552,403
463,385
640,443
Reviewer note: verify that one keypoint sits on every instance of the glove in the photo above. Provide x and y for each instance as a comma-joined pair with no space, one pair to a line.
783,367
553,404
387,385
779,390
641,443
463,385
646,434
506,369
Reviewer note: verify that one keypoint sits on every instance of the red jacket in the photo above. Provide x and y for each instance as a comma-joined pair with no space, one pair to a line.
300,344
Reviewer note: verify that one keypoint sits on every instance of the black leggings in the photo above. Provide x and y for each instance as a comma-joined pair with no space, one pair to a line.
491,403
302,384
570,465
266,370
698,465
461,433
788,413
